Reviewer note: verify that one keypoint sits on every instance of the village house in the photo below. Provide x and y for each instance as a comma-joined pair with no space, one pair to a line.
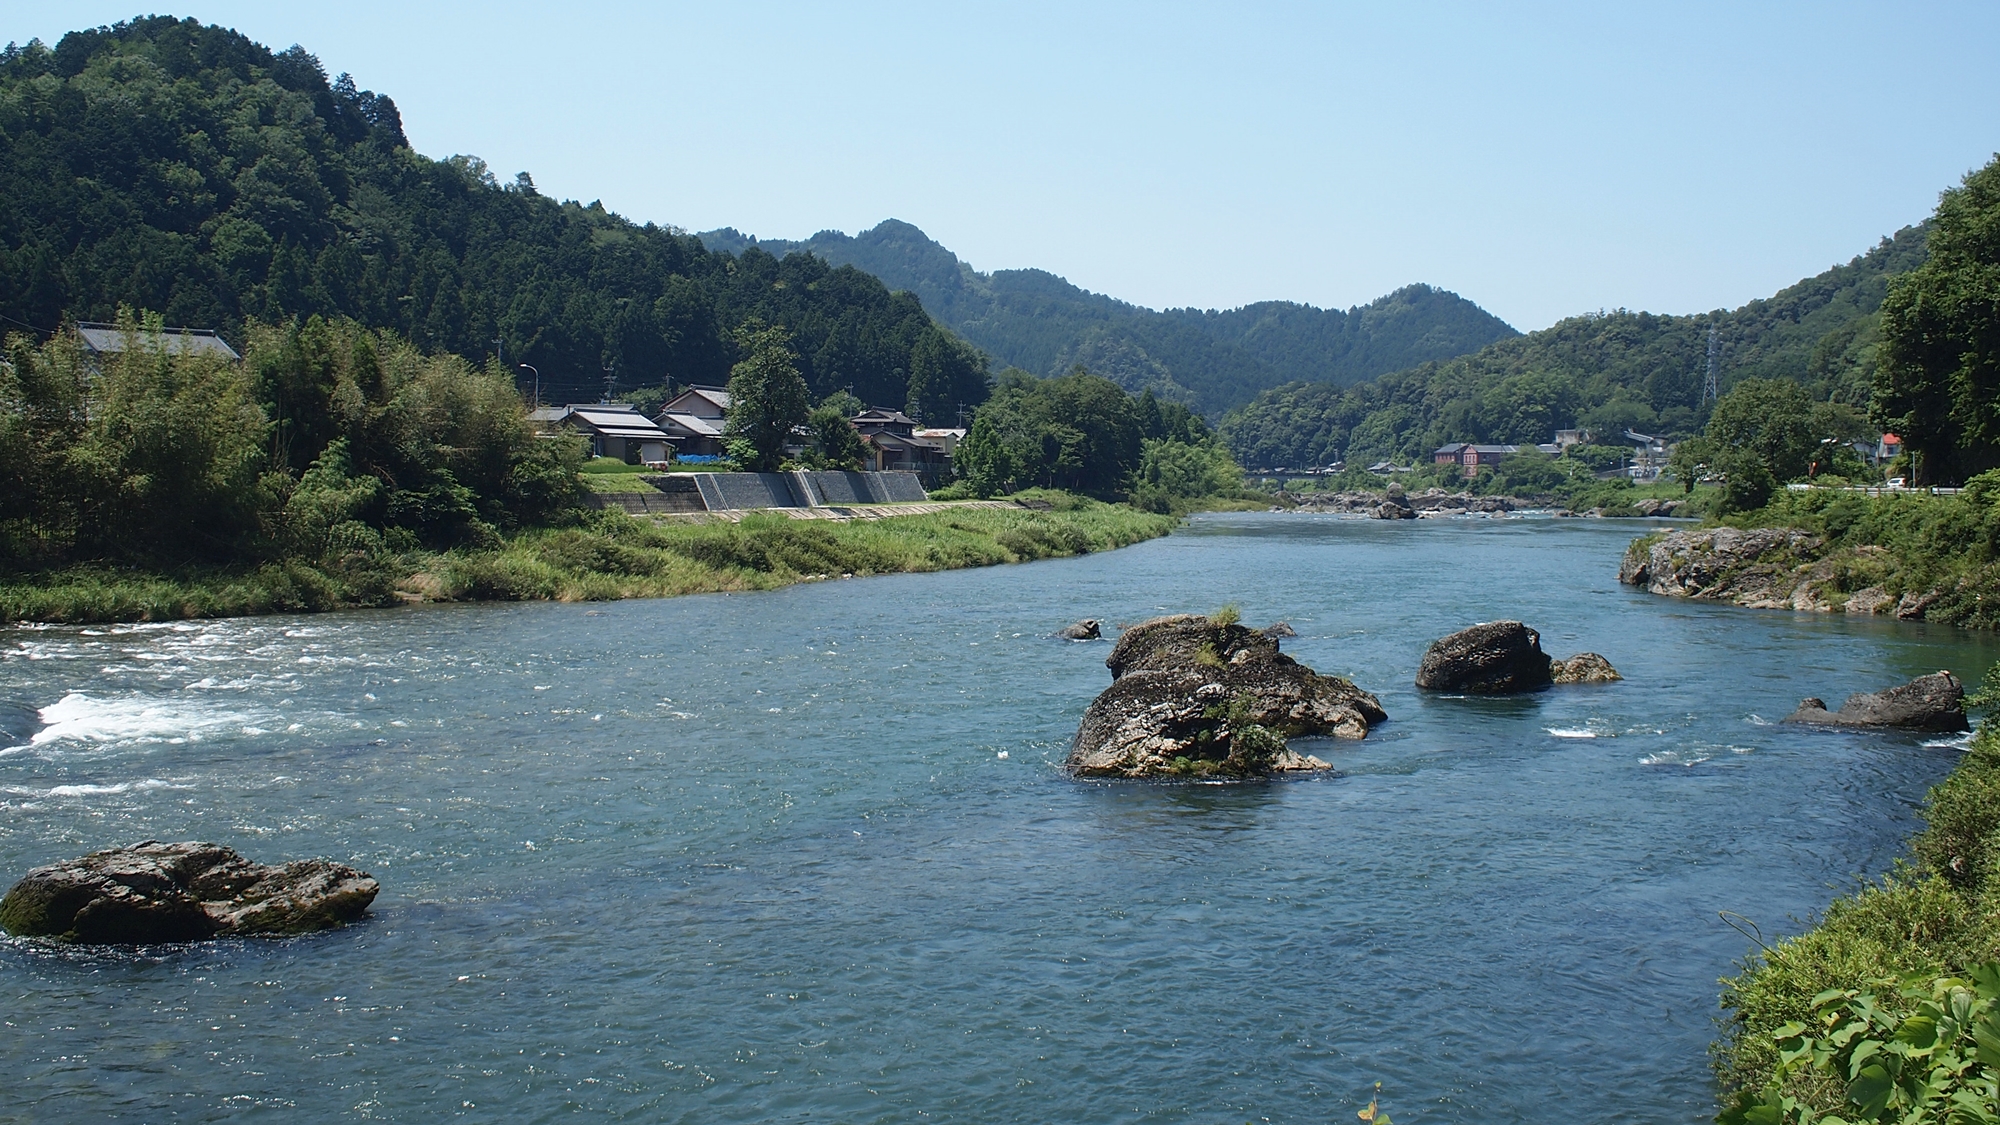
100,340
615,430
694,419
893,443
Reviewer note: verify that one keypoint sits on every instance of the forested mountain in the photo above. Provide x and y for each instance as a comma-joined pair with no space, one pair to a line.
1210,360
1606,371
167,166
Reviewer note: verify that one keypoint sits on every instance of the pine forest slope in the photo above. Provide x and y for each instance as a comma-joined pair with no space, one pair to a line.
1210,360
1607,371
184,169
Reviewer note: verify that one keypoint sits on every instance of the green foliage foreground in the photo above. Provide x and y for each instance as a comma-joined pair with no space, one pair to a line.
1885,1011
606,555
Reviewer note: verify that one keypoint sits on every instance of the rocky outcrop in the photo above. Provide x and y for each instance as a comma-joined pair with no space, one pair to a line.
1195,697
1502,658
1495,657
1583,668
1928,703
1762,568
1278,630
1084,630
1430,502
1772,568
154,892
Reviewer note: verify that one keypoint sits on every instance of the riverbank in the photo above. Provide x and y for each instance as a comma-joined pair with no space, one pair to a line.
605,555
1935,916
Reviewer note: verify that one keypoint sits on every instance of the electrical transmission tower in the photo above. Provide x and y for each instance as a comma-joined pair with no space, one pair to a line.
1710,390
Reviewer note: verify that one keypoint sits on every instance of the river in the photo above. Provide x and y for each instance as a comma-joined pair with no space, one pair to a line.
809,854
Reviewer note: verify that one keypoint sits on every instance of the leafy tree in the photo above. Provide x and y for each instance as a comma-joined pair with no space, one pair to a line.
1170,470
1747,482
767,399
1938,385
1690,461
156,458
1078,432
838,443
1769,419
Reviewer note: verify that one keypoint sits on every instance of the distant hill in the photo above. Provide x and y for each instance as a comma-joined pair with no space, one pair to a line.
1037,321
180,168
1607,371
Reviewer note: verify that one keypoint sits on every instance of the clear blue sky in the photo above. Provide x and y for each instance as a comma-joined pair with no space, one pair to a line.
1542,160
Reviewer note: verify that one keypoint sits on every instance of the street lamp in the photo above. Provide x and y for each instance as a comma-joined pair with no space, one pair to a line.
538,382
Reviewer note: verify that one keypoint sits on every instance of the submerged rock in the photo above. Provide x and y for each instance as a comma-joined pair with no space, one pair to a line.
1191,697
1928,703
154,892
1084,630
1583,668
1496,658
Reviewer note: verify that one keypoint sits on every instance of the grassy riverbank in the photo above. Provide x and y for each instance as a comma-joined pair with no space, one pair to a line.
1936,915
603,556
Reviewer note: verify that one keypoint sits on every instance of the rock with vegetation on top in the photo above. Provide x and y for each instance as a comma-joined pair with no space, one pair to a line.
1928,703
1764,568
1504,657
1084,630
154,892
1195,696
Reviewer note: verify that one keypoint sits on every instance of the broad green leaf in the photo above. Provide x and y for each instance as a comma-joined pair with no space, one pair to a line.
1871,1090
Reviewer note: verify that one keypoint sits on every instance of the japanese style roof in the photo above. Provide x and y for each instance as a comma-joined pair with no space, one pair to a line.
692,423
893,441
693,399
878,416
615,420
108,338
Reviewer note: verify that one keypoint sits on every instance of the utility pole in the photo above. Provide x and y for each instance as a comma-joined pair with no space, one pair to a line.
499,351
1711,388
610,379
961,415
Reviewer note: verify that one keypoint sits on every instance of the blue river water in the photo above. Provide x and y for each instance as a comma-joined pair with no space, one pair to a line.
809,854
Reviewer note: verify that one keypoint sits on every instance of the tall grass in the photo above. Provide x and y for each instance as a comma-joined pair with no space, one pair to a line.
607,555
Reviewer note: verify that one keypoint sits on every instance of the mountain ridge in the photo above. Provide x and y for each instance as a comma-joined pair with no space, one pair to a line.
1607,371
1210,359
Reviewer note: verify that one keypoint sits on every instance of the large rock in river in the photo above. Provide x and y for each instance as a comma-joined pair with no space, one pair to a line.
1928,703
154,892
1191,697
1495,657
1503,657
